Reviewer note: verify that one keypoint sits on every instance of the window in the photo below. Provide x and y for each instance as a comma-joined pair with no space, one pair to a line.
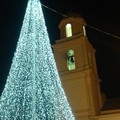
71,60
68,30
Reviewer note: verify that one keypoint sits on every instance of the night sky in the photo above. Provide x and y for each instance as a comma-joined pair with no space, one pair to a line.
100,15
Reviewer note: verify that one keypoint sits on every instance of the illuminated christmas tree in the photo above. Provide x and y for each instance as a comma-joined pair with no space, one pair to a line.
33,90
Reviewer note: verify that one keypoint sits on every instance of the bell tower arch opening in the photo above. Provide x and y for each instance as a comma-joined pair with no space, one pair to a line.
68,29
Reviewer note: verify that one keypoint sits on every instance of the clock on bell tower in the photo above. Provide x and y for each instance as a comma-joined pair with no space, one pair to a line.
76,63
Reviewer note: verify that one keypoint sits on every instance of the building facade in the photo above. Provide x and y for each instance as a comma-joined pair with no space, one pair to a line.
76,63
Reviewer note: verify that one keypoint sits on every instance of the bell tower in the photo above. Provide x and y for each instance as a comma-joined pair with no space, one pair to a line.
76,63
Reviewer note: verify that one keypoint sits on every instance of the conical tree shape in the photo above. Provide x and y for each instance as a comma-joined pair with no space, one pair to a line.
33,90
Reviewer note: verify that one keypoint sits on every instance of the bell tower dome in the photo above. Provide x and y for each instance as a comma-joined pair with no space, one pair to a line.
69,25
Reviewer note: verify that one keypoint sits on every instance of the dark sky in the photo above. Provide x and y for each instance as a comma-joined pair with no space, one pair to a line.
101,15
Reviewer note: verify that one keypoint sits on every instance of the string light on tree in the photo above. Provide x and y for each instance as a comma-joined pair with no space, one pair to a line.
33,90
